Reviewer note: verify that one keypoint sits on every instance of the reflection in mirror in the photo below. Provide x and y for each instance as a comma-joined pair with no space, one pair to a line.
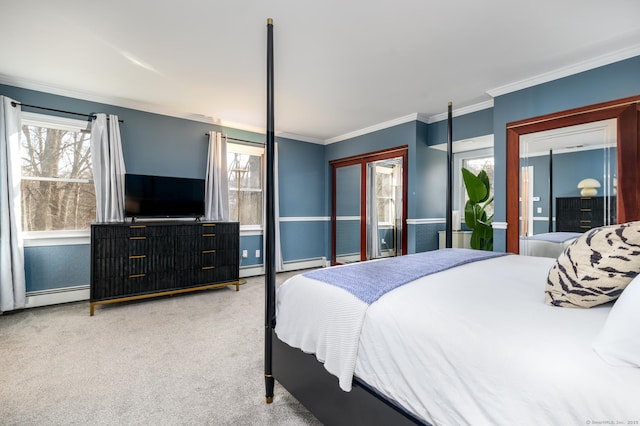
567,185
384,209
347,214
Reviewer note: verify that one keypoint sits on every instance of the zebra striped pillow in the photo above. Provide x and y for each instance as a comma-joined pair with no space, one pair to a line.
596,267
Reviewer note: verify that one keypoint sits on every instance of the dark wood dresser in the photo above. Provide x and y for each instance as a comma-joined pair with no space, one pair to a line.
137,260
579,214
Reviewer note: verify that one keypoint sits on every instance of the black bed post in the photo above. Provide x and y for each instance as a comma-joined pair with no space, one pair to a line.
270,246
449,224
550,190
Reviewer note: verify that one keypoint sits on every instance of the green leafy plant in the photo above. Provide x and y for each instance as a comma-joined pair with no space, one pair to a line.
475,214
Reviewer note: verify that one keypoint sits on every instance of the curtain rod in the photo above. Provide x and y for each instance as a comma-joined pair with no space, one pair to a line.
14,104
239,140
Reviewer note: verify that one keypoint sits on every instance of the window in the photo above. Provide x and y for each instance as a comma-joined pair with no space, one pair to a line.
57,180
244,166
388,176
384,194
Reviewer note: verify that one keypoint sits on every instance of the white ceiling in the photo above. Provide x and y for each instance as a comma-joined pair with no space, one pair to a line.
340,66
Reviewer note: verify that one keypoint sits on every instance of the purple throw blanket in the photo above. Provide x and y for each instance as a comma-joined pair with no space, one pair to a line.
368,281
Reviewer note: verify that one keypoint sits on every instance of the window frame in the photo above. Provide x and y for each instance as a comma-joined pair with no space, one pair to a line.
258,151
458,183
386,225
60,237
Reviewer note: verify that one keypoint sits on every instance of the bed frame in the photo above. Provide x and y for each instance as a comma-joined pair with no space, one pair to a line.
307,380
300,373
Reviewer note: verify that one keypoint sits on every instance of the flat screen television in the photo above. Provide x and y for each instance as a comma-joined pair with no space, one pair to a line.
163,196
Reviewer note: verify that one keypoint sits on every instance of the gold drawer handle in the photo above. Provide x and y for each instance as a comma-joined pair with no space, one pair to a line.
137,275
585,227
585,210
139,256
208,224
137,226
208,251
204,268
585,221
208,235
137,238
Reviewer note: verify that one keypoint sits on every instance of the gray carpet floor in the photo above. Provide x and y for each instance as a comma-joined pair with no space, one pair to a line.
192,359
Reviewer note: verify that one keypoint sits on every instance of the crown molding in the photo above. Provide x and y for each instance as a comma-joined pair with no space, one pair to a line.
417,116
461,111
374,128
299,137
609,58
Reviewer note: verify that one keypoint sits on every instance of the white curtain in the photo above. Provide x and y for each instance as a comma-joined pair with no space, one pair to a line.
276,211
216,196
373,234
108,168
12,276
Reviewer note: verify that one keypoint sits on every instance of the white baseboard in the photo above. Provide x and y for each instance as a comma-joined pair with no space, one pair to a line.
58,295
348,258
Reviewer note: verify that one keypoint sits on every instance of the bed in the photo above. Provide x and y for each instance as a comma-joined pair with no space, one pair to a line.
548,244
473,344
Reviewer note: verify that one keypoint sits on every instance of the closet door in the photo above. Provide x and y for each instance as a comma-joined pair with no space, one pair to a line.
369,209
347,220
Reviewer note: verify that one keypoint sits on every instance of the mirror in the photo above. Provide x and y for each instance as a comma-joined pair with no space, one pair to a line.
369,207
384,208
347,196
567,185
626,114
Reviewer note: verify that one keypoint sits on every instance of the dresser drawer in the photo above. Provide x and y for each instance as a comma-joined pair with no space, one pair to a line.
106,288
213,275
191,228
131,246
124,231
208,241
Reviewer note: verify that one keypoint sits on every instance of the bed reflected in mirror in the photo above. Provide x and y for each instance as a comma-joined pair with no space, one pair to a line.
568,179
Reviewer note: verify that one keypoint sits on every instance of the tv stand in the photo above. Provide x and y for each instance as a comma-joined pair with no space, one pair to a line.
139,260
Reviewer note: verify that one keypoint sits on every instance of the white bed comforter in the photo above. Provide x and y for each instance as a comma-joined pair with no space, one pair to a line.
471,345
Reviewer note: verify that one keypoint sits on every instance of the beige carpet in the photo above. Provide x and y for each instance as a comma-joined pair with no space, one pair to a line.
193,359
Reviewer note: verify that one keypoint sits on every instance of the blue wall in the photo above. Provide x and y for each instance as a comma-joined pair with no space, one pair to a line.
301,190
467,126
56,266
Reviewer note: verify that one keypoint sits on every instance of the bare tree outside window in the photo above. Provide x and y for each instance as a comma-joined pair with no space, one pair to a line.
384,194
245,187
57,181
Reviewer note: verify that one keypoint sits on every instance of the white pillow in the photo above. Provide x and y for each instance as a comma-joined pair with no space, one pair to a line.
619,341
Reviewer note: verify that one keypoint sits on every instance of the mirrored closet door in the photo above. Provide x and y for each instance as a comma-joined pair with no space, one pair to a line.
571,171
369,207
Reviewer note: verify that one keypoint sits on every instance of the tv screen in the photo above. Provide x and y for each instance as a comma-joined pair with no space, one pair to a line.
163,196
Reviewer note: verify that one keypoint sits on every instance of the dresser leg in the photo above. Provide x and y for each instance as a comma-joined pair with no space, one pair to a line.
91,305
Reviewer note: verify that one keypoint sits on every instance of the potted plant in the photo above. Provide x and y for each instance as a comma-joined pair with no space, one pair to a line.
475,214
